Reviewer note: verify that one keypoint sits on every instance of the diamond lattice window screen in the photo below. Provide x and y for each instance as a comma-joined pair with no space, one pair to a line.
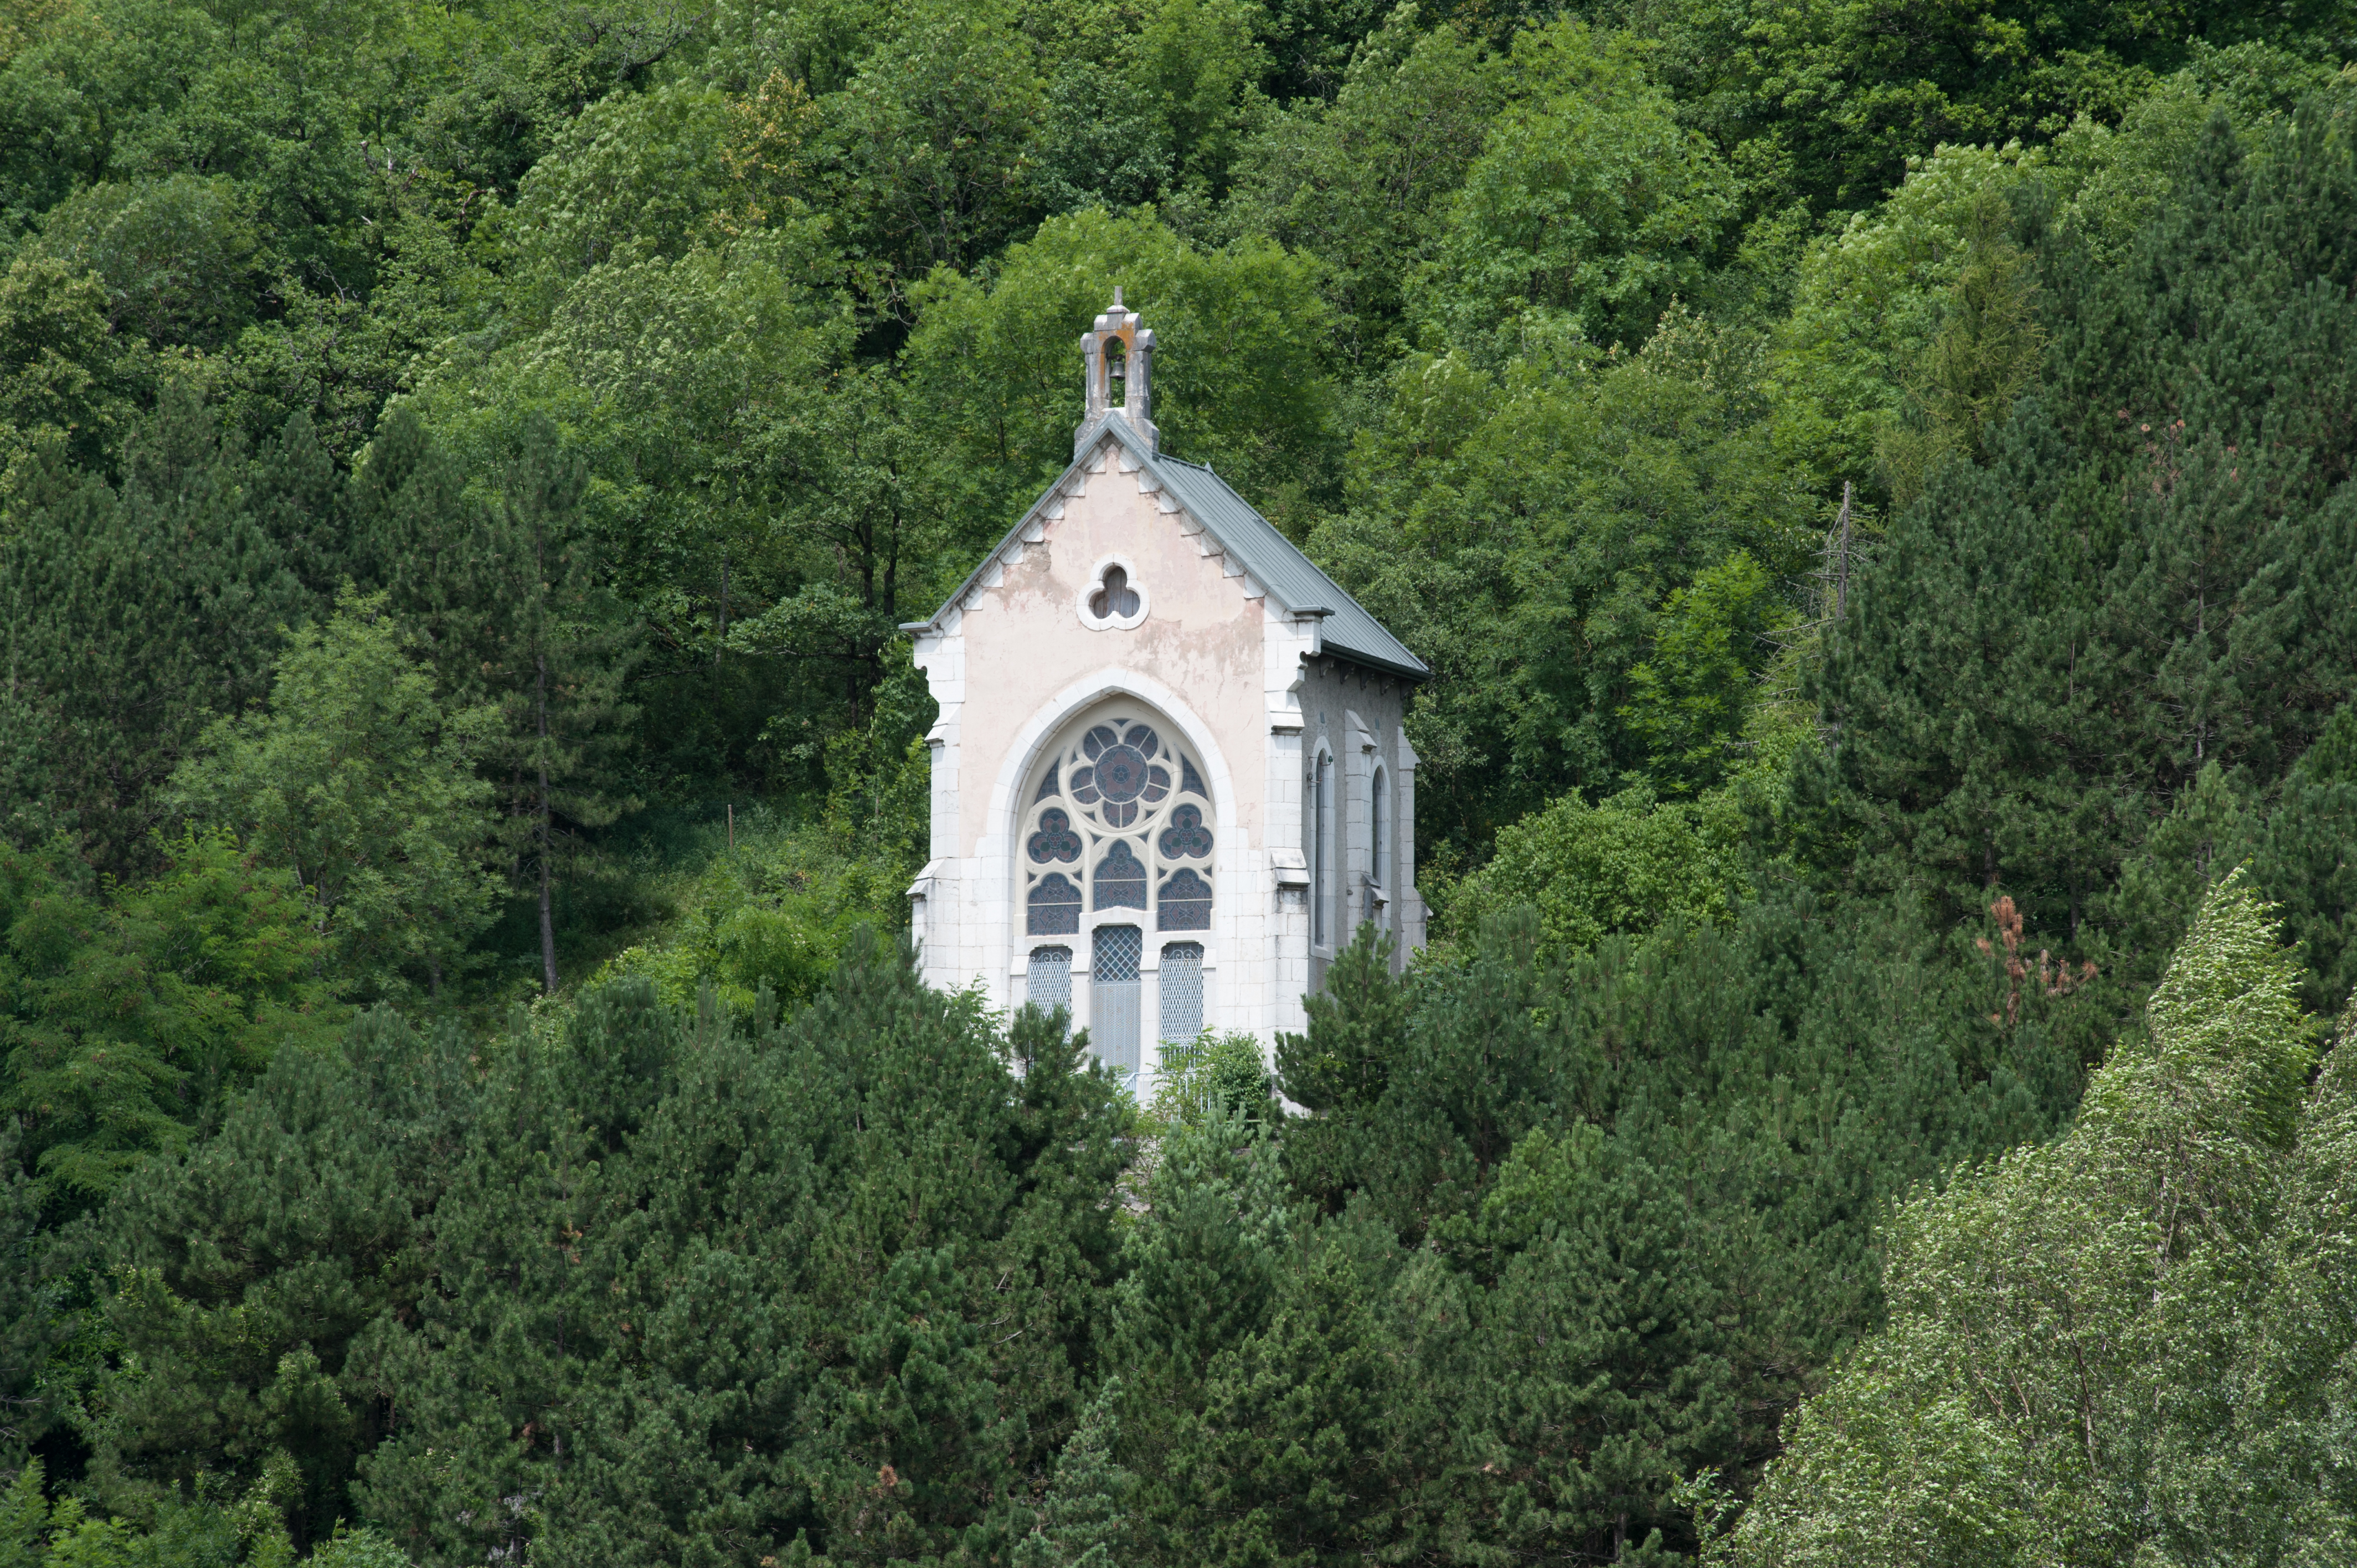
1182,991
1051,978
1113,986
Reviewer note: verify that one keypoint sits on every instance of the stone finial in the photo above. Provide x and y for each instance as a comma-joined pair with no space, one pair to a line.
1119,349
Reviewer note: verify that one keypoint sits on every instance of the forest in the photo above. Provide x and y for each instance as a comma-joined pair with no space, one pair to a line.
1888,802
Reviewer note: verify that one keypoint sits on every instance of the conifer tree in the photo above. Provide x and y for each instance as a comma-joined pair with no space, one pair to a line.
300,501
1339,1070
416,533
2155,569
230,1358
1084,1522
834,1278
2307,863
2070,1328
136,614
555,649
34,1319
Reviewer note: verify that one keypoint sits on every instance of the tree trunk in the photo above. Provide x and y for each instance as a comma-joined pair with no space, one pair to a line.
547,920
548,923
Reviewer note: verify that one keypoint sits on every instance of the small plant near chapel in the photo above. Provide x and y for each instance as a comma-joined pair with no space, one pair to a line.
1213,1069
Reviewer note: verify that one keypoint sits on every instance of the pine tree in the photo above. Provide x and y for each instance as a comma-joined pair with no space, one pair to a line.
1985,356
229,1359
2070,1342
1084,1519
1357,1025
2306,861
2155,570
1416,1115
35,1321
300,501
134,616
1290,1459
415,533
553,649
834,1277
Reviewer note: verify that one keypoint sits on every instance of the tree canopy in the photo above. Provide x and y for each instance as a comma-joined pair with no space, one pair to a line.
1873,486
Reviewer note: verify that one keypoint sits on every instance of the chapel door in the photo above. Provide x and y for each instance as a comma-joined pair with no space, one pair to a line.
1113,996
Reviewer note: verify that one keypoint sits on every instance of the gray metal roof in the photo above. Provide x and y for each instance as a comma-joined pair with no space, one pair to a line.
1269,558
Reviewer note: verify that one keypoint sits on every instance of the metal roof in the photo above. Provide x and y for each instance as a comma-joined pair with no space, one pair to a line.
1269,558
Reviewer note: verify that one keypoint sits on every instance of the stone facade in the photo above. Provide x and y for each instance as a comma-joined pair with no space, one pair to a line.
1138,706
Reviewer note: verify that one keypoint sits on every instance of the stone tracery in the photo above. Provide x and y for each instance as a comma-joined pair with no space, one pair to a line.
1124,808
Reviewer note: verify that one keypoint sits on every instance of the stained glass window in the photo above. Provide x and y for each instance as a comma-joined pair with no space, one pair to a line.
1055,840
1185,904
1185,838
1119,819
1118,774
1121,878
1055,907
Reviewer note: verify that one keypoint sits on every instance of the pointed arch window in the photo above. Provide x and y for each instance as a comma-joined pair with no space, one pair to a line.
1321,845
1119,824
1055,907
1121,878
1184,903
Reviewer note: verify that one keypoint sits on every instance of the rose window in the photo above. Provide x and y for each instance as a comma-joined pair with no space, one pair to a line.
1117,772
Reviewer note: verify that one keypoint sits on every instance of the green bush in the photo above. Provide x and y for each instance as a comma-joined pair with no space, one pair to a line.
1621,868
776,907
1226,1073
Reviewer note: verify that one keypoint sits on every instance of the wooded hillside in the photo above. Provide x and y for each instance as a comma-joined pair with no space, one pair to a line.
1873,483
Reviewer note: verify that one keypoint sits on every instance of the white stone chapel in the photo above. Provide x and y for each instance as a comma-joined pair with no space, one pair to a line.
1169,779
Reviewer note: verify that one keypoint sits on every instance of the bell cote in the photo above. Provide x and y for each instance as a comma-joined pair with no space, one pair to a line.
1120,356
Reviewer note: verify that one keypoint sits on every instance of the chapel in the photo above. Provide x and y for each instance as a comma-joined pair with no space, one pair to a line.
1169,779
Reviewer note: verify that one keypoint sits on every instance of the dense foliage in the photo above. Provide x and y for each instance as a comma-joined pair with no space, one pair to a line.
1874,486
660,1284
2128,1346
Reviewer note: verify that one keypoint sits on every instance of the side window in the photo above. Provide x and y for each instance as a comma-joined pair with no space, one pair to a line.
1051,977
1379,819
1182,991
1322,853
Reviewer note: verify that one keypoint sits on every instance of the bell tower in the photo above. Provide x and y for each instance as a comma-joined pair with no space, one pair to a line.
1120,356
